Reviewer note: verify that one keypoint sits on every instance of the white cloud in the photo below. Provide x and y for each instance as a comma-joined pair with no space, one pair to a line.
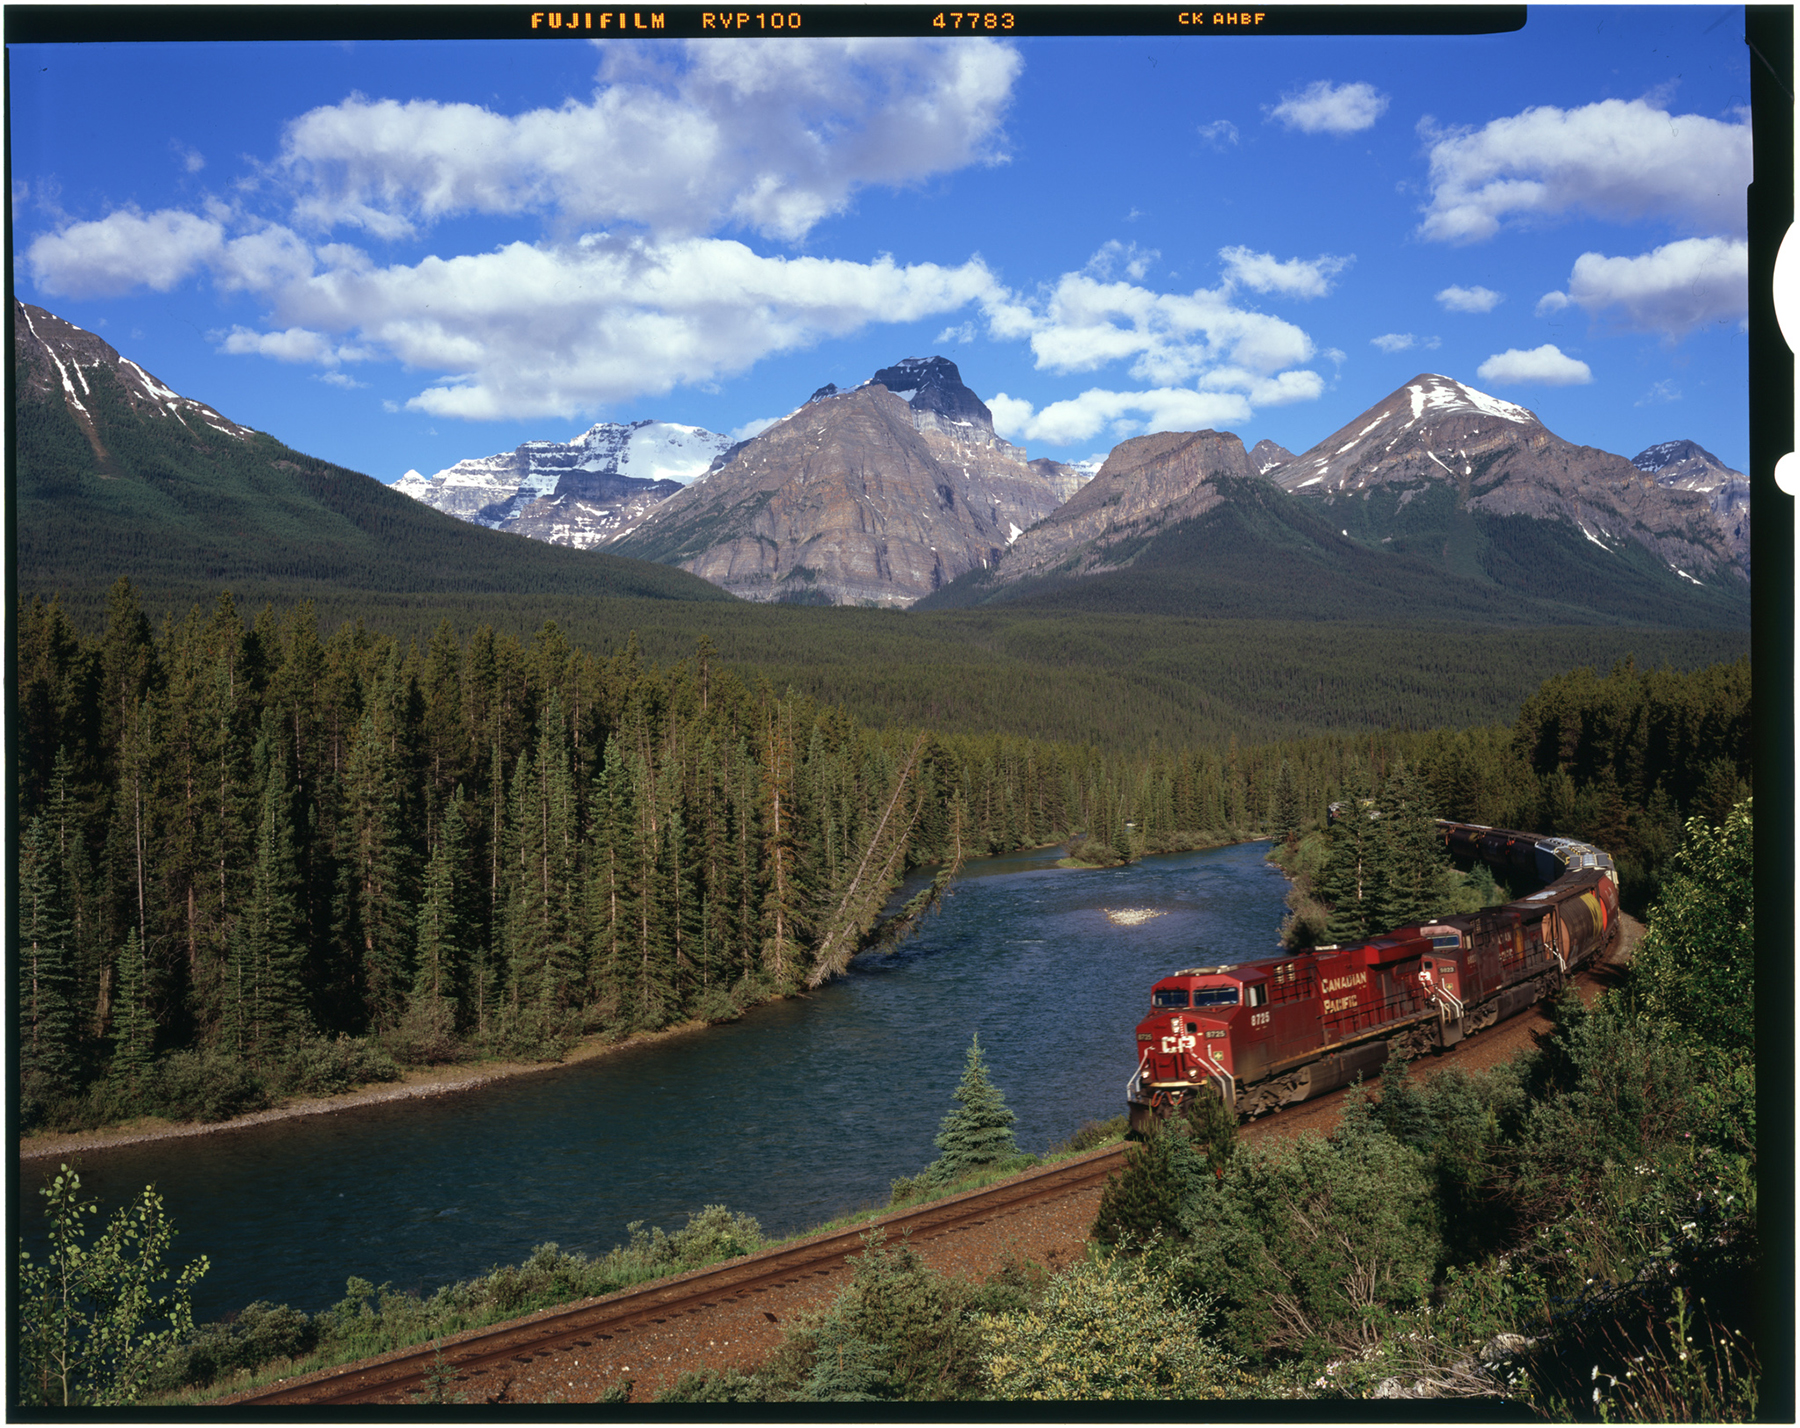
1545,366
773,135
124,250
1083,323
1221,134
1395,341
1325,108
555,331
1470,299
1616,159
1125,413
1113,255
1295,278
1676,288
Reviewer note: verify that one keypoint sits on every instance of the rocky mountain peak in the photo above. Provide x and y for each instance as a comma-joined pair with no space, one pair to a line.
1266,455
1498,458
55,357
1687,465
932,385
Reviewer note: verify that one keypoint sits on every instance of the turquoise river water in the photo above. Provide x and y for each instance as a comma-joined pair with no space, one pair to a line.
797,1112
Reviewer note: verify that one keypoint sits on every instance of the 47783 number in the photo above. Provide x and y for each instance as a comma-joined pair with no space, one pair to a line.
973,20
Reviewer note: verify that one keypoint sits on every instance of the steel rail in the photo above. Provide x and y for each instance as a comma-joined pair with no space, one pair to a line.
397,1376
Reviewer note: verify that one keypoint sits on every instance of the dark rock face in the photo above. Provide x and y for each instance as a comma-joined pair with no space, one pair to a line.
933,387
1266,455
1146,484
858,498
54,357
1502,461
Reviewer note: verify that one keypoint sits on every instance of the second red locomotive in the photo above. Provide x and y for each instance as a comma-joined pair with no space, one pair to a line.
1268,1032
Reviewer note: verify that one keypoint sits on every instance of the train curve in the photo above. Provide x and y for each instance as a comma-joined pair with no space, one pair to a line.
1272,1031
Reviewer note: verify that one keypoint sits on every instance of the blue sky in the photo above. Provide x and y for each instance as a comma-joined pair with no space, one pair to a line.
396,255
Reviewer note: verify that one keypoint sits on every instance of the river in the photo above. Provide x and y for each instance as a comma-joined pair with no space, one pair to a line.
799,1111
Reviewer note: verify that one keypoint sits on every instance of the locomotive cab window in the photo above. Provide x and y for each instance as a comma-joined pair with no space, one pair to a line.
1169,997
1216,996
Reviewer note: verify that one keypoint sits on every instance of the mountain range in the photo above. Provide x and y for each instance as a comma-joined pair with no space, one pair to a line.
874,496
899,492
115,474
1437,502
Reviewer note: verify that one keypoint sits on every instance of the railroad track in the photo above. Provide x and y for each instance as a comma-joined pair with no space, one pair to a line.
398,1377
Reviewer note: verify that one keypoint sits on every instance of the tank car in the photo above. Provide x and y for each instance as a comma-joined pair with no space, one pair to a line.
1270,1031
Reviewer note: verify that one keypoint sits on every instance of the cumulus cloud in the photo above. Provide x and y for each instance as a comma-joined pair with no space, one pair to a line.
1327,108
772,136
540,331
1545,366
1125,413
124,250
1083,322
1672,290
1295,277
1203,359
1616,159
1469,299
295,344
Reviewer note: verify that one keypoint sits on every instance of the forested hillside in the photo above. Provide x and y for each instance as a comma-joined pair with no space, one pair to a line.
184,512
236,839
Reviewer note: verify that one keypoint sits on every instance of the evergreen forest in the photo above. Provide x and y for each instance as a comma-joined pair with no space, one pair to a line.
256,859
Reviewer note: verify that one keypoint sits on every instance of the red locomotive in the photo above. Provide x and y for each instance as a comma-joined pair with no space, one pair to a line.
1266,1033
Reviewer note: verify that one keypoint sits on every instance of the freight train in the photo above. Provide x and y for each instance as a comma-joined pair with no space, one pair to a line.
1271,1031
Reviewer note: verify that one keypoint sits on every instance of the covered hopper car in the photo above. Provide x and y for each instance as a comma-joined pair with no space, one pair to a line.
1268,1032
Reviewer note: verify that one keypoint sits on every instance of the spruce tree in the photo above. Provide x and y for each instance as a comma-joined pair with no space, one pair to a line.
1348,881
134,1024
979,1131
441,954
47,1026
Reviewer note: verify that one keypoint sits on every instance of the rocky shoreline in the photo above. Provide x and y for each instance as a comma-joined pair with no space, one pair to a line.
432,1081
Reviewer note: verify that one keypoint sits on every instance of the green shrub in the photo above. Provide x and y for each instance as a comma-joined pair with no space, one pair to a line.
1114,1330
1312,1245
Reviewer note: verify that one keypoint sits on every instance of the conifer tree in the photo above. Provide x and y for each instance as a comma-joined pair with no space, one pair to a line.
979,1131
438,961
1413,881
375,917
48,1036
265,1007
134,1024
1352,867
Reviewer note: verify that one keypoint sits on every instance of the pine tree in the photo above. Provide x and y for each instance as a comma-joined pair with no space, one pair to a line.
1348,881
438,961
1287,803
47,1025
134,1024
265,1008
1413,883
979,1131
